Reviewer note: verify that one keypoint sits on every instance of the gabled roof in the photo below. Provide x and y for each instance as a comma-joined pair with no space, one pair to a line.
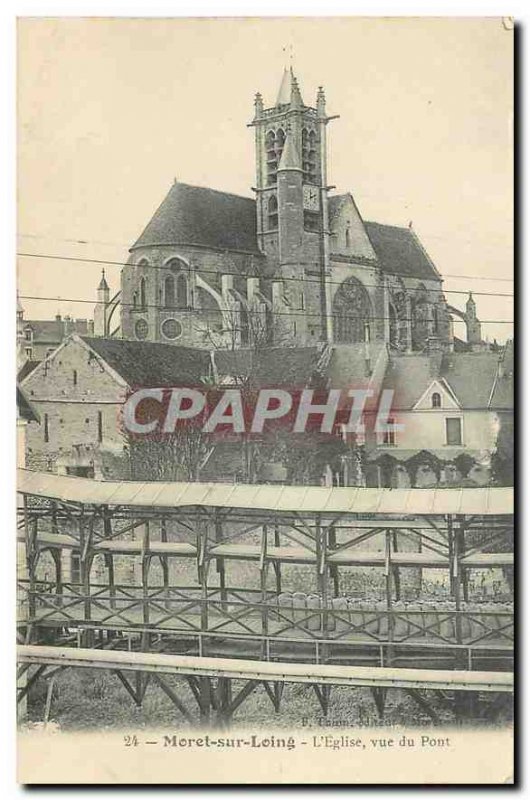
152,363
470,376
197,215
400,252
437,385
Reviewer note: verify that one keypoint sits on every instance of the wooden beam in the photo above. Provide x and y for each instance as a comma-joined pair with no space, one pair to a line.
290,672
173,696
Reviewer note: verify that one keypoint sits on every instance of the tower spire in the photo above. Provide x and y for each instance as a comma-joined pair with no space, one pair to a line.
284,92
103,282
290,155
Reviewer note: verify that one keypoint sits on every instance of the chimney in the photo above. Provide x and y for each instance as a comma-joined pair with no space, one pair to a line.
434,350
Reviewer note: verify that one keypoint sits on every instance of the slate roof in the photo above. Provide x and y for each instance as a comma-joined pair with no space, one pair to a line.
197,215
27,367
158,364
471,376
53,331
152,363
24,407
400,252
286,366
503,393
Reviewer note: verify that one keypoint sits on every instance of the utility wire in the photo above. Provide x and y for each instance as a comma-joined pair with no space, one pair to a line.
239,274
193,310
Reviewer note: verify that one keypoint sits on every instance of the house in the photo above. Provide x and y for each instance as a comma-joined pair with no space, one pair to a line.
451,407
80,389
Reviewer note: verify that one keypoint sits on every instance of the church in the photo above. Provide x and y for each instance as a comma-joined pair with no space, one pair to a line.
290,289
295,266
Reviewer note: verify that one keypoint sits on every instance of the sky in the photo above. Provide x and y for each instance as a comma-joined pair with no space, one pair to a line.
111,111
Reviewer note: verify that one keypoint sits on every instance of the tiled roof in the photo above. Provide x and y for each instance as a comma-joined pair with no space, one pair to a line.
200,216
400,252
152,363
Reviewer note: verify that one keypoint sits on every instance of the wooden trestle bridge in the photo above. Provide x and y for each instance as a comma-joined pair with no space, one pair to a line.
225,641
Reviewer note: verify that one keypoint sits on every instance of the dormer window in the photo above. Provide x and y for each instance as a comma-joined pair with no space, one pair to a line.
436,400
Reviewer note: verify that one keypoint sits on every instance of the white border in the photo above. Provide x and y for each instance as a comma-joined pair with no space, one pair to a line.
9,10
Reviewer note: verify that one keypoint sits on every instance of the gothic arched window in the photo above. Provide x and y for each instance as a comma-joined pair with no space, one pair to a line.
169,291
182,291
143,292
280,141
352,311
174,264
420,317
436,400
348,238
272,212
271,155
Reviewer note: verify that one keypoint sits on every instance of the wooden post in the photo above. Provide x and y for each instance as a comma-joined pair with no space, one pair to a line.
146,563
224,701
456,572
450,546
395,570
205,700
85,541
334,570
56,555
202,566
322,577
109,560
31,532
277,564
263,570
220,562
388,586
164,563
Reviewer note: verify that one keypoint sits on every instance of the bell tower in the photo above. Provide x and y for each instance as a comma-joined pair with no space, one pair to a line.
292,198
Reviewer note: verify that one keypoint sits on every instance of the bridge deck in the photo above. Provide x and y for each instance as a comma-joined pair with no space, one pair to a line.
349,556
334,675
